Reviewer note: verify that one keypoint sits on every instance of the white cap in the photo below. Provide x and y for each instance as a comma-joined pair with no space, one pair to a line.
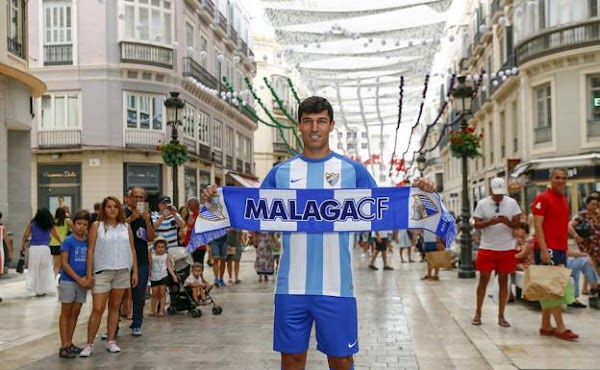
498,186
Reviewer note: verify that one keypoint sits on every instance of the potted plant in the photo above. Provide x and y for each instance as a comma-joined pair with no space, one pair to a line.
465,142
174,153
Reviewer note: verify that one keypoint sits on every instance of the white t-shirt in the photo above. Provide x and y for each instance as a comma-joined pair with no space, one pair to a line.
497,237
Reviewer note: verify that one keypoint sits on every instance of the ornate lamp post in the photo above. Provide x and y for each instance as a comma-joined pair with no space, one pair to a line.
463,97
421,163
174,105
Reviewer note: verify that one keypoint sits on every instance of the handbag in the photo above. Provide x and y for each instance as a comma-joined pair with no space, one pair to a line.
543,282
439,259
21,263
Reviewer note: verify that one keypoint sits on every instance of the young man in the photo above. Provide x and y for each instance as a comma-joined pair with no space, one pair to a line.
306,292
496,216
551,218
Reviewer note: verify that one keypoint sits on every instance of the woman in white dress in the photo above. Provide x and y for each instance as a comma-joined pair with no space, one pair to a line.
405,242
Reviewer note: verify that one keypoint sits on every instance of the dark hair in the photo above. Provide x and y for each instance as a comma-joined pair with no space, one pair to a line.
524,226
120,216
589,199
59,216
594,194
43,218
0,215
315,104
97,206
81,214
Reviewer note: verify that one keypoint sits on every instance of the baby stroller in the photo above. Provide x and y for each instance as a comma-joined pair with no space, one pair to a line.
180,296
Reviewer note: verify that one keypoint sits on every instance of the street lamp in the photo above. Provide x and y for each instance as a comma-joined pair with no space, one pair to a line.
421,163
463,95
174,105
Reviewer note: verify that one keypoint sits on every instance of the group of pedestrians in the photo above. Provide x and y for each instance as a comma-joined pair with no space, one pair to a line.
507,245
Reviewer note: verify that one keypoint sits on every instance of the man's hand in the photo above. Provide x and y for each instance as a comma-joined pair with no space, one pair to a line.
209,191
425,185
545,256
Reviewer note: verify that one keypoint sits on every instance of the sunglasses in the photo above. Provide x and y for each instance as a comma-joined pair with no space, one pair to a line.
497,207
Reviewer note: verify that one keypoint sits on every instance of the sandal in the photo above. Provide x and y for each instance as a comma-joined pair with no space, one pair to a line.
161,314
426,277
476,321
503,323
547,332
566,335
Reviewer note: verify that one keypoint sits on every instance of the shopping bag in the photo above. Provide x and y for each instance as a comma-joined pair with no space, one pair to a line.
568,298
543,282
21,263
439,259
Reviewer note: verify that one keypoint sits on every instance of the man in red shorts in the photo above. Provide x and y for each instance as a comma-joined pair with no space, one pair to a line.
495,216
551,219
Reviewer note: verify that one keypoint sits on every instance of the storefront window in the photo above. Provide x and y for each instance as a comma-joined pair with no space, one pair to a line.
59,185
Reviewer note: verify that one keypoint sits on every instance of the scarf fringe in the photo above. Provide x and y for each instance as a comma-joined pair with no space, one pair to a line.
198,239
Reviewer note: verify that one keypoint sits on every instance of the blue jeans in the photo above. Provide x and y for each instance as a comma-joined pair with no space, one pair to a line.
580,265
139,296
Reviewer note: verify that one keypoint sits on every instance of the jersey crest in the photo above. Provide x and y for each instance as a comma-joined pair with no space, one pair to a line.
332,178
423,207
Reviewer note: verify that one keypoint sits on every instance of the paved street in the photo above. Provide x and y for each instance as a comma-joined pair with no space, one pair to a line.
404,324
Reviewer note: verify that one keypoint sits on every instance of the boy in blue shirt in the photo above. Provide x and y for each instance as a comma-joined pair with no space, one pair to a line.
73,284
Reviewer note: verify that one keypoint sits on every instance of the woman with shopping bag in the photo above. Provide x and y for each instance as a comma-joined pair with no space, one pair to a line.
551,218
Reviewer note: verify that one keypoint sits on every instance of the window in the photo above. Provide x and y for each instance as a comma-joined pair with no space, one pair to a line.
189,38
515,126
204,47
217,135
17,42
218,64
57,23
542,109
60,110
502,135
594,97
364,146
148,20
364,135
203,128
239,146
229,143
351,146
248,149
144,111
189,120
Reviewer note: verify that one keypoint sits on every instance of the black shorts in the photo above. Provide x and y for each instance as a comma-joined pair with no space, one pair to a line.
557,257
160,282
381,246
55,250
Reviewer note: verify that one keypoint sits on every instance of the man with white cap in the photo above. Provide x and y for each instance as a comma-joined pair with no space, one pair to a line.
495,216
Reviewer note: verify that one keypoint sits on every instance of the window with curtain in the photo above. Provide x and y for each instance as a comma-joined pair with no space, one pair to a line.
148,20
203,128
16,27
144,111
189,120
61,110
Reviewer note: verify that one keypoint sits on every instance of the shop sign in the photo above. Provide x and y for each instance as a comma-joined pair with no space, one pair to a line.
58,174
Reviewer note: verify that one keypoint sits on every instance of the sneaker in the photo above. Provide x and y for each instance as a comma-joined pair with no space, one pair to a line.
388,268
112,347
222,283
217,283
73,348
136,332
87,350
577,304
373,267
66,353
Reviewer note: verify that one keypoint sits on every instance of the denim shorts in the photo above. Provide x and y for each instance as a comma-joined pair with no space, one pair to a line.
219,247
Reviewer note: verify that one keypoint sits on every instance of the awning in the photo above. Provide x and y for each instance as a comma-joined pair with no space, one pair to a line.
520,169
556,162
245,181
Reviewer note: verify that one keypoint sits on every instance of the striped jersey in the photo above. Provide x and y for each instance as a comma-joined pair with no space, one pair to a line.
168,229
317,263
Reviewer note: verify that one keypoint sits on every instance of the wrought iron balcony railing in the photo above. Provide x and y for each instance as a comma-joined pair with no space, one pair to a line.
55,55
559,39
135,52
194,69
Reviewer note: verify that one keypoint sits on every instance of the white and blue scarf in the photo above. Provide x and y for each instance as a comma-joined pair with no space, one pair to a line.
322,210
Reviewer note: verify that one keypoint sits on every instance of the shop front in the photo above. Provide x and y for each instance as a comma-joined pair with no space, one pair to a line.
59,185
146,176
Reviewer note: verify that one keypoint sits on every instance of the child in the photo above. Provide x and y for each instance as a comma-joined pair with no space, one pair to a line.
73,283
197,283
276,249
160,266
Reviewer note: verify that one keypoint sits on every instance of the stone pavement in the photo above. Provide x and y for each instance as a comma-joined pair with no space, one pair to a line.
405,323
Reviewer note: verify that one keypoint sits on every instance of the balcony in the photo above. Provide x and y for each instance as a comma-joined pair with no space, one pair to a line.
209,7
229,162
217,156
222,23
593,128
239,165
244,48
248,112
559,39
511,61
138,53
279,147
193,69
204,152
494,7
15,47
143,139
59,139
542,134
190,143
56,55
247,167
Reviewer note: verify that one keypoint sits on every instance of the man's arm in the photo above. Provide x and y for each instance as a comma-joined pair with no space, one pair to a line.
538,222
481,224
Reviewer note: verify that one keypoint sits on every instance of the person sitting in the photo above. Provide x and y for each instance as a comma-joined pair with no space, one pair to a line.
198,285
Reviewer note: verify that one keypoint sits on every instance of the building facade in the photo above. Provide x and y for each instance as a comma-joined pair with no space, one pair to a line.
537,68
18,89
109,66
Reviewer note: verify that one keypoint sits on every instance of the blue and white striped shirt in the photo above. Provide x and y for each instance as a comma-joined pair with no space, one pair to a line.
317,263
